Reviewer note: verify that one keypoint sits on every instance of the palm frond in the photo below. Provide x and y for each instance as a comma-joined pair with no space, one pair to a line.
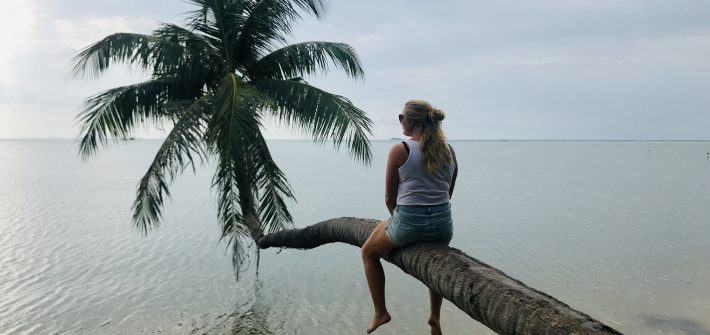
202,20
325,116
273,189
301,59
240,246
179,150
236,103
316,7
228,199
221,21
127,48
228,18
226,180
229,138
178,49
190,39
266,26
115,112
198,63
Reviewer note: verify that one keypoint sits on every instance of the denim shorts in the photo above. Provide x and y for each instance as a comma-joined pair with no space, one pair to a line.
410,224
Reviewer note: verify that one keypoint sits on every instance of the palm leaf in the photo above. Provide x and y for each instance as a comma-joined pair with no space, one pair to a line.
202,21
301,59
266,25
115,112
229,136
179,150
191,39
229,202
273,189
221,21
325,116
127,48
197,62
240,246
194,58
226,180
236,103
316,7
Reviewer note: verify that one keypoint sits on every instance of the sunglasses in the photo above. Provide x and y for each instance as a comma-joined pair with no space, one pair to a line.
401,117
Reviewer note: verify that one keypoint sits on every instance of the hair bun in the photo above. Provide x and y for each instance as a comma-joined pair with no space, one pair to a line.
436,114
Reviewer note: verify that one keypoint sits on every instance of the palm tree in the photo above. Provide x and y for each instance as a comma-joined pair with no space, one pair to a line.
216,80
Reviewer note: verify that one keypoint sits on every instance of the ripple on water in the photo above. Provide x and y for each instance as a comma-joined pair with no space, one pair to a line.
72,262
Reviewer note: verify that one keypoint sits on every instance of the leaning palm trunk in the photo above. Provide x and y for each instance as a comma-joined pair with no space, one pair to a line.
503,304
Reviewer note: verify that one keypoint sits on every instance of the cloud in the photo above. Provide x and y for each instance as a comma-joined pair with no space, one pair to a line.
169,10
522,69
41,69
77,34
19,27
38,93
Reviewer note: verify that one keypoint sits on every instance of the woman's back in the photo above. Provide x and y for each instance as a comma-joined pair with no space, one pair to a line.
419,187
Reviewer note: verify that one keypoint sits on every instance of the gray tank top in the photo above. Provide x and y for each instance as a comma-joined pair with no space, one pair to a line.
416,186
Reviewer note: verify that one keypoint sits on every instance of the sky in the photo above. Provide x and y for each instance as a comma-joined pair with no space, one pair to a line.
500,69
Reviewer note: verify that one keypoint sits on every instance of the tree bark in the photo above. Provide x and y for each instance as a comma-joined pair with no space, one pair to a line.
251,220
503,304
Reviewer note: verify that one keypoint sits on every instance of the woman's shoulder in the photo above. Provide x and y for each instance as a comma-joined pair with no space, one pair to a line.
399,147
399,152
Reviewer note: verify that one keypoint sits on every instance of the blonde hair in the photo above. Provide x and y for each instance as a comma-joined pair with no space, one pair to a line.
435,151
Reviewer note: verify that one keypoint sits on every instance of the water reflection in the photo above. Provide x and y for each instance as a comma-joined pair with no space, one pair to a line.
674,325
253,316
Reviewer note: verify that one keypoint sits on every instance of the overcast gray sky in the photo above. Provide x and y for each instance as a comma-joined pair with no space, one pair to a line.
542,69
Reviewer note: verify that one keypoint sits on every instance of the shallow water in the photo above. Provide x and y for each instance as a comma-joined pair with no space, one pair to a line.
617,230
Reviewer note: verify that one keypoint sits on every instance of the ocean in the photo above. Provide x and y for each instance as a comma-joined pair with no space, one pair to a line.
618,230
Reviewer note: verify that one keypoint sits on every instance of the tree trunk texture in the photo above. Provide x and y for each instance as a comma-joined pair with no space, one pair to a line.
251,220
503,304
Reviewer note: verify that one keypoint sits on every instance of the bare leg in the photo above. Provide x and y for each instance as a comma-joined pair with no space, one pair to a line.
376,246
435,300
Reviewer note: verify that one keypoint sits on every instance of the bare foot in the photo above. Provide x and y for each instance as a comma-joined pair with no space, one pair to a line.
435,326
378,320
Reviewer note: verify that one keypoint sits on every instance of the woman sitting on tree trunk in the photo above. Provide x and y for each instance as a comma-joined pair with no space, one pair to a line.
420,177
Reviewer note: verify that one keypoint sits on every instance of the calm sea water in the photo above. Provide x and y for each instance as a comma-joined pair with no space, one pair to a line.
618,230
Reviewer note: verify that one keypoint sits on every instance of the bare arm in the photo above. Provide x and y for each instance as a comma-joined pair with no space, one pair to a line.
397,157
456,172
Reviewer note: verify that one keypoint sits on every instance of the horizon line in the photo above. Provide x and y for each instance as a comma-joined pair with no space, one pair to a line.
399,138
